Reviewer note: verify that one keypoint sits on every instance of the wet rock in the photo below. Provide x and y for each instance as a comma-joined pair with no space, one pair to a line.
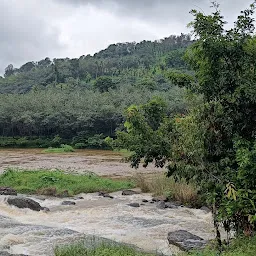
134,205
45,209
152,202
68,203
105,195
186,240
144,201
78,198
129,192
23,202
7,191
171,205
161,205
177,203
160,198
205,209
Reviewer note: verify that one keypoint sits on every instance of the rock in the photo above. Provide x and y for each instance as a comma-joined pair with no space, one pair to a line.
134,205
78,198
186,240
68,203
129,192
160,198
144,201
161,205
23,202
152,202
205,209
7,191
171,205
45,209
105,195
177,203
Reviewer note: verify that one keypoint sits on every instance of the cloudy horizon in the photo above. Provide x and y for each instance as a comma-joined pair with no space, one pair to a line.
33,29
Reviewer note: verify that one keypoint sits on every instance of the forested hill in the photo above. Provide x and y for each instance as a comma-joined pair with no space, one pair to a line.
122,60
82,101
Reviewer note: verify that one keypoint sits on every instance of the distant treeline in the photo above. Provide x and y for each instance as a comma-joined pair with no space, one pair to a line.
81,101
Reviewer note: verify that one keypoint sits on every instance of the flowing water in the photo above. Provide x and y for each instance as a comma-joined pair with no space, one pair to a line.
37,233
102,162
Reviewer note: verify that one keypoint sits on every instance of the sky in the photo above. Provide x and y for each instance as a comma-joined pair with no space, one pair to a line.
31,30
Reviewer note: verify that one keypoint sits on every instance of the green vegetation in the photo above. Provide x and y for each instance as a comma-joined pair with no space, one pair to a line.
178,189
57,182
80,249
238,247
214,142
82,100
63,149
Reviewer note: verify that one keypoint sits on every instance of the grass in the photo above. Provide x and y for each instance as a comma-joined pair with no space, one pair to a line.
239,247
80,249
63,149
46,182
178,190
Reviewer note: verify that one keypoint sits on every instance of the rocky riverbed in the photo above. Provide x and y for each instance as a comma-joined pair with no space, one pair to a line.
23,231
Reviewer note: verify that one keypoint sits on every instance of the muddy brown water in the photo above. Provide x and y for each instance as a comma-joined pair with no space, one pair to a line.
37,233
101,162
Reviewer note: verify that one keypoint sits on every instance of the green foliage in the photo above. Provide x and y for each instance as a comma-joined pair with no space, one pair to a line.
214,143
104,83
238,247
146,133
63,149
38,181
102,249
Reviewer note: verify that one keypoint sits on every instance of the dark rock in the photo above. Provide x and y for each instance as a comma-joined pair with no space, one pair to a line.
78,198
161,205
68,203
45,209
145,201
7,191
185,240
105,195
160,198
152,202
205,209
170,205
23,202
129,192
177,203
134,205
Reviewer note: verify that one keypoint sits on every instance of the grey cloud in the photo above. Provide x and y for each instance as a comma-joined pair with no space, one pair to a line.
34,29
24,35
161,11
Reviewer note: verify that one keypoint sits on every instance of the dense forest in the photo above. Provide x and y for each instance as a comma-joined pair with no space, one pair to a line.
81,101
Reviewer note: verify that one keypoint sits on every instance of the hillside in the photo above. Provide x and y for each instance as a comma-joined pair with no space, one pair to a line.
122,60
81,101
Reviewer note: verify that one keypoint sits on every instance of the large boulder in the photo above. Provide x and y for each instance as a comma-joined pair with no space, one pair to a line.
7,191
23,202
186,240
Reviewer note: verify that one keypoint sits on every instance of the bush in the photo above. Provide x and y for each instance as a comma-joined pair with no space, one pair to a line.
101,249
175,189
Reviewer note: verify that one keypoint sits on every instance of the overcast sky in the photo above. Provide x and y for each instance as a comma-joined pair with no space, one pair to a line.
34,29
